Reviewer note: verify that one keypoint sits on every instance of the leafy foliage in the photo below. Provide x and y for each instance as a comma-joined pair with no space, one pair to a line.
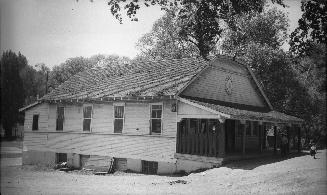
312,27
164,41
12,93
72,66
199,21
268,29
34,81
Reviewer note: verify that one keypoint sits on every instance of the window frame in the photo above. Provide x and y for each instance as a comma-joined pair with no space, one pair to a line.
114,118
38,118
87,105
63,121
161,119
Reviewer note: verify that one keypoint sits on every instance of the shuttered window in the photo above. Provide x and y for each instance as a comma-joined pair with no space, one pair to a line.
60,118
149,167
156,116
87,117
118,119
35,124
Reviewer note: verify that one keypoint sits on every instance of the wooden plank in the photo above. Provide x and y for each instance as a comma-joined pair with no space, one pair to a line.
243,127
221,139
299,139
275,139
178,136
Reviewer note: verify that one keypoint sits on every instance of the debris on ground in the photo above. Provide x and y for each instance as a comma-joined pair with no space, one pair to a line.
178,181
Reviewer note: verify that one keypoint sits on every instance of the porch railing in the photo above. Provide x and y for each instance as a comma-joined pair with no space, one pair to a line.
203,144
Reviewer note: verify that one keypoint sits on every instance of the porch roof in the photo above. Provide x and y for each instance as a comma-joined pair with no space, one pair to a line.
234,113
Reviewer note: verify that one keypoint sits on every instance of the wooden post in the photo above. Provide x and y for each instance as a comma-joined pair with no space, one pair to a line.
260,136
264,136
299,139
288,139
243,130
178,143
275,139
188,140
221,138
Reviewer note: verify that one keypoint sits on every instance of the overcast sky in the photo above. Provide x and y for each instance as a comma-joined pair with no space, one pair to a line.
48,31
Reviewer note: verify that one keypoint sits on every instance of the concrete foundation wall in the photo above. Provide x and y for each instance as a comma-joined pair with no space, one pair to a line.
48,158
33,157
189,166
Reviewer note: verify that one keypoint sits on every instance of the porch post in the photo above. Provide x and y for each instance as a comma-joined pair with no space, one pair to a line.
243,129
260,135
299,139
178,137
221,138
275,139
288,127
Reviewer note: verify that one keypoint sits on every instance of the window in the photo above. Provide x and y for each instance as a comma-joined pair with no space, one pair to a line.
149,167
87,116
118,119
248,127
61,157
35,125
156,114
60,118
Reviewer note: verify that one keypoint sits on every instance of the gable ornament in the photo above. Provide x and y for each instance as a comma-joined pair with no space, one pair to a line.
228,85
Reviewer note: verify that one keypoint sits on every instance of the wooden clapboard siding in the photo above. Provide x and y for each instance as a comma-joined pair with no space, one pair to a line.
190,111
169,119
102,120
42,110
115,145
211,85
137,116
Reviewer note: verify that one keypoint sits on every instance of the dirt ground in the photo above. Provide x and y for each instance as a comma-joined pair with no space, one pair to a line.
274,175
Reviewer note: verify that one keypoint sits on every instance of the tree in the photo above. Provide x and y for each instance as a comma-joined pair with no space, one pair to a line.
268,28
12,93
311,72
312,27
199,20
72,66
34,81
64,71
163,41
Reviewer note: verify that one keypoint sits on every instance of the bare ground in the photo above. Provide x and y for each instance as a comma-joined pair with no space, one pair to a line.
294,175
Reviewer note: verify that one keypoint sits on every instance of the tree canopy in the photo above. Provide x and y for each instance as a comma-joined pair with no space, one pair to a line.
199,21
163,41
12,91
312,27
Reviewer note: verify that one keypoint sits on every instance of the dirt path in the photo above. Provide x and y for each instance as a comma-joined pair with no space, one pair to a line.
297,175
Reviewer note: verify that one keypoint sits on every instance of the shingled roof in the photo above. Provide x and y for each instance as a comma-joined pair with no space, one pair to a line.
148,78
234,113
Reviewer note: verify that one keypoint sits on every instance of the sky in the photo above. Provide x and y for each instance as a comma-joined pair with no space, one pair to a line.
48,31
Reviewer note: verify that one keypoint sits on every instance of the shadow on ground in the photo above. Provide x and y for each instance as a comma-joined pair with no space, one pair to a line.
250,164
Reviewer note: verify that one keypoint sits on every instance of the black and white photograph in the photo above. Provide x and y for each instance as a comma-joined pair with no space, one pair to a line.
163,97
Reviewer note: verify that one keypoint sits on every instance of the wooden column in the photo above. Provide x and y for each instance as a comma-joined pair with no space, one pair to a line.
288,128
260,135
299,139
243,130
178,143
264,135
221,138
275,139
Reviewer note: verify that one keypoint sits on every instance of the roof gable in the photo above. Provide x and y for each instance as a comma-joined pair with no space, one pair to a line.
230,83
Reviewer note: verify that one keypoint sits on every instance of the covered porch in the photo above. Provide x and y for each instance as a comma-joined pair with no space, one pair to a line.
231,134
